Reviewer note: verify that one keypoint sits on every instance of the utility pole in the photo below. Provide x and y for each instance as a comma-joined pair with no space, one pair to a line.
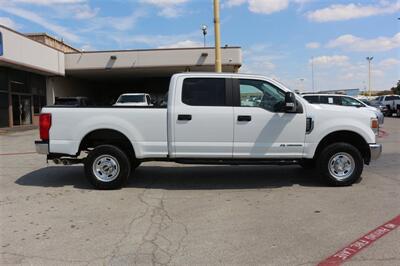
218,67
312,74
369,59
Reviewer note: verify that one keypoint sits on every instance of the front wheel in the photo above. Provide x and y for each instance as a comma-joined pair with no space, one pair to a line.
107,167
341,164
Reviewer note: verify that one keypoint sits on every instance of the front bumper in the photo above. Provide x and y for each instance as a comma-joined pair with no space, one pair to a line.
376,150
42,147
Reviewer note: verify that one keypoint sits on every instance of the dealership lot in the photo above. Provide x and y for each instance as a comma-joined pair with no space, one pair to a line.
174,214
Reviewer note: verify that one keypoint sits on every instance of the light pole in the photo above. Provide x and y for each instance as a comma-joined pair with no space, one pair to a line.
218,66
312,74
301,84
204,29
369,59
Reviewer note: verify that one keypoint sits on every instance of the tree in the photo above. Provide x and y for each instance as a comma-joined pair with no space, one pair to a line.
396,90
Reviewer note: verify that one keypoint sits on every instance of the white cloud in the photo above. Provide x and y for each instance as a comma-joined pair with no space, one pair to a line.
264,6
389,63
169,8
333,60
267,6
87,47
313,45
83,11
9,23
155,41
183,44
49,2
357,44
33,17
232,3
352,11
258,59
124,23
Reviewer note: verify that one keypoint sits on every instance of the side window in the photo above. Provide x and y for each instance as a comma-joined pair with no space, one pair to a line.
330,100
392,98
258,93
204,92
312,99
347,101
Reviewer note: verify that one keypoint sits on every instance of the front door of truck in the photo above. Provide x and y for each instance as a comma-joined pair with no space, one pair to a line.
262,128
203,119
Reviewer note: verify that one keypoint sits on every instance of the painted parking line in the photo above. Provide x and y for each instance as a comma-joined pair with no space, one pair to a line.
349,251
17,153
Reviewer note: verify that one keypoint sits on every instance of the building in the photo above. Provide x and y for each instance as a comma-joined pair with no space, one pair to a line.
36,68
350,92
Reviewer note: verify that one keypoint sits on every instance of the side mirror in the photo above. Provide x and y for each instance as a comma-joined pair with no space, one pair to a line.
290,102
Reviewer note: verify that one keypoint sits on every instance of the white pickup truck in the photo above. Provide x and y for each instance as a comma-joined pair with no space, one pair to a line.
212,119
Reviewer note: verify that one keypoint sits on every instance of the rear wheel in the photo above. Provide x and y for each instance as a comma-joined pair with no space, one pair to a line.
340,164
107,167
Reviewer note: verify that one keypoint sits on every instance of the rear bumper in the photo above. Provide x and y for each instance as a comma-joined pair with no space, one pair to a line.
376,150
42,147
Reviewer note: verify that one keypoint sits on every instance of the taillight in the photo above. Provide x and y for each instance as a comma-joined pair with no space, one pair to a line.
44,125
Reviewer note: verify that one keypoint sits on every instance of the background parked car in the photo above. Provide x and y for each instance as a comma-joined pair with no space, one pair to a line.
390,101
134,99
343,100
73,101
383,108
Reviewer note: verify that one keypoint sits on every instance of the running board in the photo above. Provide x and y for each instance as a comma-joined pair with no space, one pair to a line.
237,161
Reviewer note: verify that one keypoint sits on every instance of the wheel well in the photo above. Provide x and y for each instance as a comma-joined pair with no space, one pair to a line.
107,136
349,137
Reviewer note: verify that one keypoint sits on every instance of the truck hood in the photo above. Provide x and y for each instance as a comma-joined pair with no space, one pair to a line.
345,110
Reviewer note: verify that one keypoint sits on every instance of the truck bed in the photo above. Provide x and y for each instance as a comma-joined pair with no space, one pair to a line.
71,124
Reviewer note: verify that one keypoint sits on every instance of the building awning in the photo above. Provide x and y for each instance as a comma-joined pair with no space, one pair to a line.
148,63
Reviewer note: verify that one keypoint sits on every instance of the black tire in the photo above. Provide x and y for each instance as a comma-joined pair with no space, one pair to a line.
113,167
135,164
307,164
342,152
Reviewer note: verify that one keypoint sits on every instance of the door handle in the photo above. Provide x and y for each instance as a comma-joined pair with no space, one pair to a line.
244,118
184,117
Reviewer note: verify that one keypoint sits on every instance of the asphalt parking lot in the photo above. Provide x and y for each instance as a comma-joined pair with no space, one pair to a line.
202,215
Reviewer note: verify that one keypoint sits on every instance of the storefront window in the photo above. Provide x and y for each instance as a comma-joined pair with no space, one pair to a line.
3,109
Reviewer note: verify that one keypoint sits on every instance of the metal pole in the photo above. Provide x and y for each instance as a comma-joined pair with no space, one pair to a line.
218,66
369,77
312,74
369,59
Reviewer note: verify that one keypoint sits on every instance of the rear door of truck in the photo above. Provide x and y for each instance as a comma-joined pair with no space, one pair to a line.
202,118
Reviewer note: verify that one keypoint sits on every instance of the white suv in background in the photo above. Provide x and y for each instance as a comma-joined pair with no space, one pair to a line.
342,100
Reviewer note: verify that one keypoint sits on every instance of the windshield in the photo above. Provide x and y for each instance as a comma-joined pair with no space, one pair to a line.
365,101
131,99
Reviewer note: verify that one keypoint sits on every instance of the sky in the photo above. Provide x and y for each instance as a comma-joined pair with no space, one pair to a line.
279,38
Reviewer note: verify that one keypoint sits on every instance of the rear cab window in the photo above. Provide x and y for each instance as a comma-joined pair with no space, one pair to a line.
204,92
325,99
312,98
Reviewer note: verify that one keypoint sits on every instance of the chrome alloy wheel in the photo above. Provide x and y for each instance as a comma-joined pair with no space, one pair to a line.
106,168
341,165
